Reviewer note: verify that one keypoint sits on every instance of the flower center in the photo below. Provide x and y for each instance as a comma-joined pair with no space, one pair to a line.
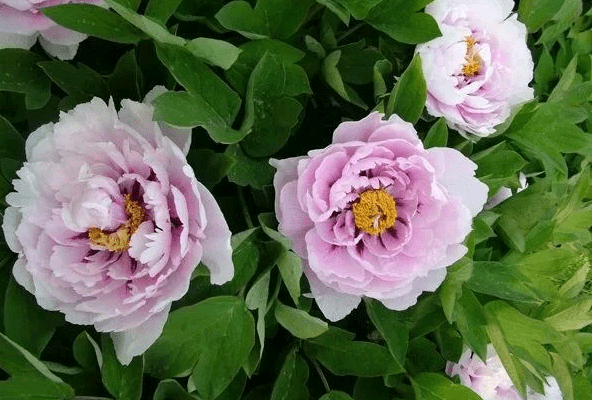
375,211
119,240
473,61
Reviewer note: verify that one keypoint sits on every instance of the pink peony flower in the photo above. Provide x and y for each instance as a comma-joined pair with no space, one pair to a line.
21,23
375,214
480,67
109,221
490,380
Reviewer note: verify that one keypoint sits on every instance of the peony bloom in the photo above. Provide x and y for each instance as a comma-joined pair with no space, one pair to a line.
375,214
21,23
504,193
490,380
480,67
109,221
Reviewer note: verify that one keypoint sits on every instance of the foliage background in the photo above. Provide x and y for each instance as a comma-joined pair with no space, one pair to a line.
273,78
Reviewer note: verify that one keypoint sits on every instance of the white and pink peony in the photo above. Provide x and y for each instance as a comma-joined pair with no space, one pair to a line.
374,214
22,23
480,67
490,380
109,221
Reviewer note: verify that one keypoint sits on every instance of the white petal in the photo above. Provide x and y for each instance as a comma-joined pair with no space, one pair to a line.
334,305
217,251
61,51
457,174
9,40
136,341
12,219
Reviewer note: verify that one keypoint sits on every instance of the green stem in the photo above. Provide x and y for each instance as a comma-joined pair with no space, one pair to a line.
321,374
352,30
244,207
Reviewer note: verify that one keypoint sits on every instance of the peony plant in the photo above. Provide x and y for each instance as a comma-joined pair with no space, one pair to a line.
268,199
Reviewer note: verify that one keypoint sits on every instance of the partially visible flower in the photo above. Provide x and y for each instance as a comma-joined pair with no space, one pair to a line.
375,214
109,221
504,193
480,67
22,23
490,380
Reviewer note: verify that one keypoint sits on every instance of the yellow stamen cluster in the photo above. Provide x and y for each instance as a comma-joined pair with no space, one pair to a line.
119,240
473,61
375,211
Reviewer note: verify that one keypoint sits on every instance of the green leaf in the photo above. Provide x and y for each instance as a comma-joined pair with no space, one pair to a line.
259,293
13,144
30,378
161,9
535,13
169,389
394,332
87,352
470,321
423,356
519,327
214,51
213,350
399,20
382,71
333,78
298,322
278,19
290,266
409,95
501,348
268,223
270,111
353,358
80,82
20,73
544,71
498,167
501,280
257,299
209,167
551,131
245,257
519,222
25,322
372,389
208,103
356,64
566,82
359,8
291,383
336,395
125,81
235,390
562,374
248,171
437,135
576,316
337,8
122,381
431,386
450,290
103,24
251,53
